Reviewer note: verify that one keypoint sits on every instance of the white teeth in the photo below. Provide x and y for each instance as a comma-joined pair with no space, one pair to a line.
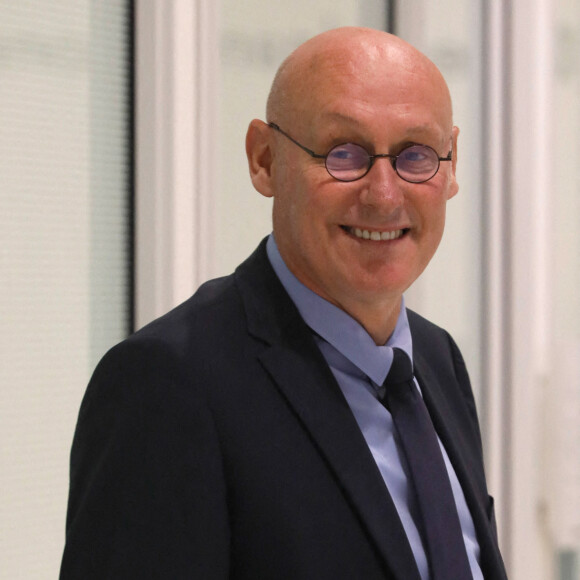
375,235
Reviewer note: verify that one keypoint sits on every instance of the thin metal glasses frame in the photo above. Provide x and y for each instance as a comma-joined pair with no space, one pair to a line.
371,158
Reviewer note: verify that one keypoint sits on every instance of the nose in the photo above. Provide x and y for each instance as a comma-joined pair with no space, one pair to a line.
383,189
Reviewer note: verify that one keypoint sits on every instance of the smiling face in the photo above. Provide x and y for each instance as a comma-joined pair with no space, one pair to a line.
358,244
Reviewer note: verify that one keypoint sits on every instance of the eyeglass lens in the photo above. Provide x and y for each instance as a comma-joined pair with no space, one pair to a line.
349,162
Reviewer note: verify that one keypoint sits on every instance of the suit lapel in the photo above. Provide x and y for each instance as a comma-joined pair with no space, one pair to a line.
463,454
453,437
302,376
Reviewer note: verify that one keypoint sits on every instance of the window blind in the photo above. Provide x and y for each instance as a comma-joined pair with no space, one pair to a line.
65,250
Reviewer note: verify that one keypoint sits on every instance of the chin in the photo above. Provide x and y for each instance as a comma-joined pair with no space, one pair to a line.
386,283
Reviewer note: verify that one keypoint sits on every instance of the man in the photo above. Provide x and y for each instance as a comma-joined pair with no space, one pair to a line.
243,435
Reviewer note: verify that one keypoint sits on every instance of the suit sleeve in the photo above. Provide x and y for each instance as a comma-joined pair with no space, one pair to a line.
147,491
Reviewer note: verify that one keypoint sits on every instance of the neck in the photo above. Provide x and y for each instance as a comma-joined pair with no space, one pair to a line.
379,320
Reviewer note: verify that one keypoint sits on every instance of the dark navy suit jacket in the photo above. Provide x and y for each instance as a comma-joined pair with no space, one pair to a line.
215,443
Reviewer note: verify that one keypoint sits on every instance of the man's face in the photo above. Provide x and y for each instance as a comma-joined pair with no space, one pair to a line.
320,224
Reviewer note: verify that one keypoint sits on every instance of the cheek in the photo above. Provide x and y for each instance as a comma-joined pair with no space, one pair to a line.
300,207
437,227
291,215
432,207
431,224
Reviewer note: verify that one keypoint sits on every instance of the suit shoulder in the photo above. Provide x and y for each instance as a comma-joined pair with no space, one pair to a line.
215,305
212,297
435,343
180,340
425,330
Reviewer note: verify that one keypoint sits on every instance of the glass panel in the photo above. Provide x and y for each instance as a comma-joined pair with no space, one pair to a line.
449,291
563,411
255,37
64,249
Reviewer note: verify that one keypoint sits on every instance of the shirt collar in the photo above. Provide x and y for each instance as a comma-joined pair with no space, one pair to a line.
338,328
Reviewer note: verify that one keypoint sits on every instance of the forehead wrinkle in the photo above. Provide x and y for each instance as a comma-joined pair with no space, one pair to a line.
351,120
419,131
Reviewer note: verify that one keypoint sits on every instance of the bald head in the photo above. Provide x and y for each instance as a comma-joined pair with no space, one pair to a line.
341,57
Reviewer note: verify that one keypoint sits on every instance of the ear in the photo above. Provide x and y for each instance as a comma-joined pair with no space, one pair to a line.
454,186
259,153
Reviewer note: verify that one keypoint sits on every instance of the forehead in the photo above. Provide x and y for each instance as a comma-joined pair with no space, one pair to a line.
380,124
373,89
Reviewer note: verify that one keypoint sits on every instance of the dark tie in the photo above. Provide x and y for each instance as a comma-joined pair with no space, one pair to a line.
439,520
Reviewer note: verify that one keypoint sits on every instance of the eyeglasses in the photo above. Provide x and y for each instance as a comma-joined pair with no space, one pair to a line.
349,161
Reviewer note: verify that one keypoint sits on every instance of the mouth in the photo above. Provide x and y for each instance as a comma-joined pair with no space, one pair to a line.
375,235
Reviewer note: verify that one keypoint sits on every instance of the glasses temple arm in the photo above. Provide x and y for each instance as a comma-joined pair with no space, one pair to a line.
309,151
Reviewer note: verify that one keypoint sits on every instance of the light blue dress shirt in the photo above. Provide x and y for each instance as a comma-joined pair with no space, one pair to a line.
360,368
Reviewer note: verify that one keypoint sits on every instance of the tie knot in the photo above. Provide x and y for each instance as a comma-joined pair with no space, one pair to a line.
401,370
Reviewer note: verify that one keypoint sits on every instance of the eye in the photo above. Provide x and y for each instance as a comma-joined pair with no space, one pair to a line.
345,151
416,154
347,156
347,162
418,158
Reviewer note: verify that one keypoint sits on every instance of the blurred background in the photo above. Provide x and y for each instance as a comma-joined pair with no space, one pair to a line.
123,186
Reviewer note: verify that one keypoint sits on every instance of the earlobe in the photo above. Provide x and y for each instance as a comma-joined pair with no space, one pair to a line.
259,153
